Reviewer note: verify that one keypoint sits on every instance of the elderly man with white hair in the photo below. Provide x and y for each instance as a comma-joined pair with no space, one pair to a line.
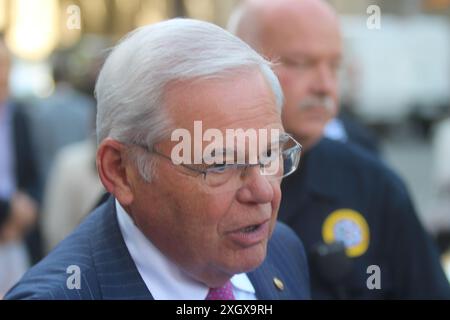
179,230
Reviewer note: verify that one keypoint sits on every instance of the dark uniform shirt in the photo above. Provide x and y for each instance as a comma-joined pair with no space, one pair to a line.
359,134
342,193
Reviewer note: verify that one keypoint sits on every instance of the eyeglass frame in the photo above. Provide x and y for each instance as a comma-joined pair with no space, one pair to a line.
204,172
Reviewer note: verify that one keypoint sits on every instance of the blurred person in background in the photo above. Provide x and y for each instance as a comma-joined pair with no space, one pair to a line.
351,210
64,117
73,187
346,126
18,182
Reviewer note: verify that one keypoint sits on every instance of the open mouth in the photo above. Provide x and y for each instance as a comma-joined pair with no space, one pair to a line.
251,228
251,234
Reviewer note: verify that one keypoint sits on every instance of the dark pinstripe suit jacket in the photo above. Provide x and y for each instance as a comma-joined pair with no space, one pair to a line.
107,270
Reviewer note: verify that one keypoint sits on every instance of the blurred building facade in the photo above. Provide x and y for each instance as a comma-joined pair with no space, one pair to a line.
34,28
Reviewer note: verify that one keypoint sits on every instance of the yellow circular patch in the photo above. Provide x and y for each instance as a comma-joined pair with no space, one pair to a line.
350,227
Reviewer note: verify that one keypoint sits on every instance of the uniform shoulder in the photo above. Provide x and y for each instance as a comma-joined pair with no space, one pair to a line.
342,155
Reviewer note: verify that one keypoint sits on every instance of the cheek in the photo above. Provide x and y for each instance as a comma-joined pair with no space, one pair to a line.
224,212
294,89
287,80
202,216
275,205
336,100
292,120
276,197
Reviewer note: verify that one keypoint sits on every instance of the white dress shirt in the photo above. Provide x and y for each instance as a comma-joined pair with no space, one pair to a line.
163,278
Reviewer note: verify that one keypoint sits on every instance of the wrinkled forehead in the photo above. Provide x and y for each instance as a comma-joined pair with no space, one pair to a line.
242,99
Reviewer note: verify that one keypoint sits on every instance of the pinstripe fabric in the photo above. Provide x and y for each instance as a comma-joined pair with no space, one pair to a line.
108,271
286,260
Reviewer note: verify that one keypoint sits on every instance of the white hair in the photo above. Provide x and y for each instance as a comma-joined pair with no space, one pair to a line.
131,84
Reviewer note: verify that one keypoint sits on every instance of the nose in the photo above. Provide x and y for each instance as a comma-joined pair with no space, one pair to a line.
257,189
324,82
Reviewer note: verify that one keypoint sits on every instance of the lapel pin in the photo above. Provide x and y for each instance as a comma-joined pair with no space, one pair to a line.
278,283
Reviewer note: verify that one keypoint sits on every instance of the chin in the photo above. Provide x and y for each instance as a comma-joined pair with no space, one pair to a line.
250,258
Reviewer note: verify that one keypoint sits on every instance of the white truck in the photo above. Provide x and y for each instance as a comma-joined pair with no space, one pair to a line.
402,67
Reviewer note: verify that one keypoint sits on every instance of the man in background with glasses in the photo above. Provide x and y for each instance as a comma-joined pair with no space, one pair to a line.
189,229
355,215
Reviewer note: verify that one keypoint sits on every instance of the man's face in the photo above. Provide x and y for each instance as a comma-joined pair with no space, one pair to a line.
201,229
309,50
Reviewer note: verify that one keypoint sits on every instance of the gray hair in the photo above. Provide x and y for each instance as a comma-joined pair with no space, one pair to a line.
131,84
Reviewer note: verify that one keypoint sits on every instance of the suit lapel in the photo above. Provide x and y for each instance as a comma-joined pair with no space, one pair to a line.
263,280
117,274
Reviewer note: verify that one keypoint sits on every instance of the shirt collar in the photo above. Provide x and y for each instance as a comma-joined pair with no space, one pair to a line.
164,279
335,130
242,282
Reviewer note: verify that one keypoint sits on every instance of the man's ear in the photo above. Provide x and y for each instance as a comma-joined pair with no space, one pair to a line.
111,166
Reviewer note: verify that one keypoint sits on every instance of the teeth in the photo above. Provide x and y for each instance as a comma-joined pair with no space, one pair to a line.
250,228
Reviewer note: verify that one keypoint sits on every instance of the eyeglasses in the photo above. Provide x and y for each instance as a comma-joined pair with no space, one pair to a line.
275,163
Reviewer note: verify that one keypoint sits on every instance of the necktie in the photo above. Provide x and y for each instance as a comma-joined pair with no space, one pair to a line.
221,293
